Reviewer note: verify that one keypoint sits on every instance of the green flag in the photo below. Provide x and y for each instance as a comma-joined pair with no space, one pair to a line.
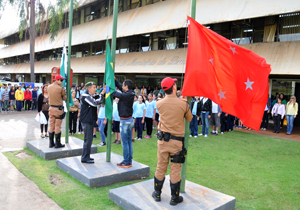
109,80
63,70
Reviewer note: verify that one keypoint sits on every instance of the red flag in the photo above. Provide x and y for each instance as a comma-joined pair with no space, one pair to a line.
233,77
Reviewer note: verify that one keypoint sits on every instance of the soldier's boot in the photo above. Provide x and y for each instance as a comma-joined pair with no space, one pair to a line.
57,141
158,184
175,189
51,140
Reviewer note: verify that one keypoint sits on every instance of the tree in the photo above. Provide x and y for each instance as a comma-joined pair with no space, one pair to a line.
29,11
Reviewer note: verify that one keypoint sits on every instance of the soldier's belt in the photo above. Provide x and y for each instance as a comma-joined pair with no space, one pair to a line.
56,106
168,136
61,107
177,138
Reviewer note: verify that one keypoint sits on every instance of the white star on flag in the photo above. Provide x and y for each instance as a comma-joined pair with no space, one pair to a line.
248,84
212,61
233,50
222,94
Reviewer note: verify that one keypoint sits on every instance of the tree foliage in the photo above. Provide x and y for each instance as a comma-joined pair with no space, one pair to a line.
48,17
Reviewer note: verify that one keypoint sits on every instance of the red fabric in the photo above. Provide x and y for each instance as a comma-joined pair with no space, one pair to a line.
215,65
27,95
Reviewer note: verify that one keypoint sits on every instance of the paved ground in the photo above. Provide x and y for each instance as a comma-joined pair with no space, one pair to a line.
16,190
18,127
295,136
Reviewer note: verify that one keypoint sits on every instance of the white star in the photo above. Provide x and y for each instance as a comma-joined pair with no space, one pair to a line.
248,84
222,94
212,61
233,50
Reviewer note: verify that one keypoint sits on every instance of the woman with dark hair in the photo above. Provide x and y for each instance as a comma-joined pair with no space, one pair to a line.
43,106
16,87
143,91
278,113
150,115
283,101
23,88
140,117
74,114
77,93
149,89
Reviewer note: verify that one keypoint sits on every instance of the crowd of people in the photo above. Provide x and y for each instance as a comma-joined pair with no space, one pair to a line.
279,110
205,113
146,117
18,97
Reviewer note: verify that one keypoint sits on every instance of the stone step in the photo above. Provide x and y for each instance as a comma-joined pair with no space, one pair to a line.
139,197
73,148
102,173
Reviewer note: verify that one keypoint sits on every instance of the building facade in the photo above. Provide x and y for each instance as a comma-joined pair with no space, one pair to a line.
152,40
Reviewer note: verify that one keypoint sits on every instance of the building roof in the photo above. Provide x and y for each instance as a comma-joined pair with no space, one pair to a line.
165,15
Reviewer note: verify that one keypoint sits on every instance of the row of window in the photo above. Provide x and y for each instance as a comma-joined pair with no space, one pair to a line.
279,28
265,29
96,10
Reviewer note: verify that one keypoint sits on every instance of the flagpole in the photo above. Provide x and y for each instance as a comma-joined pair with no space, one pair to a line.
68,70
187,124
113,55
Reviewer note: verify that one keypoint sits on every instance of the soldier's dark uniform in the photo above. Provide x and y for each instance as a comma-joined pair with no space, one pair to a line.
56,96
172,111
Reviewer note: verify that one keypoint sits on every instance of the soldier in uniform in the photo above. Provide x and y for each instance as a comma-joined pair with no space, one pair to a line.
172,111
56,96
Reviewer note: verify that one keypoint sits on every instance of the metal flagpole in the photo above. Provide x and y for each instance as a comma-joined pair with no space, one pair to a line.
68,70
187,125
113,55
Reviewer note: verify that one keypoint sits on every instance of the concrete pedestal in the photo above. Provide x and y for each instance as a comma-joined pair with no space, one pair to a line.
73,148
102,173
139,197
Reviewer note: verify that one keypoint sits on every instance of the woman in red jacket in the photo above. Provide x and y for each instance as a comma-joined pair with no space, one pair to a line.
27,98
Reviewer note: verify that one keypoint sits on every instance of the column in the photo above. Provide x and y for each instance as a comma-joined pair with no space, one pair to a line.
80,79
91,49
27,77
12,77
48,78
131,77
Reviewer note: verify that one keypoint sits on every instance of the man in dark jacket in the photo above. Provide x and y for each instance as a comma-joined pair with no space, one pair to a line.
205,112
88,115
126,98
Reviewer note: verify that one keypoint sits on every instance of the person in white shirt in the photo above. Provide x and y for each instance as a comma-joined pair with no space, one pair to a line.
215,118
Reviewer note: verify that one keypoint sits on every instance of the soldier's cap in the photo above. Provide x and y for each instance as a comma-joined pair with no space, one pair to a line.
58,77
167,83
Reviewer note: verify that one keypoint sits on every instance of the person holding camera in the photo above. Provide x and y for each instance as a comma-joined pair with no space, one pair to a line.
56,95
88,115
170,144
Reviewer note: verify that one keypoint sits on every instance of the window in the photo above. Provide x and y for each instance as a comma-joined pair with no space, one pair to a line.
76,18
289,27
280,86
